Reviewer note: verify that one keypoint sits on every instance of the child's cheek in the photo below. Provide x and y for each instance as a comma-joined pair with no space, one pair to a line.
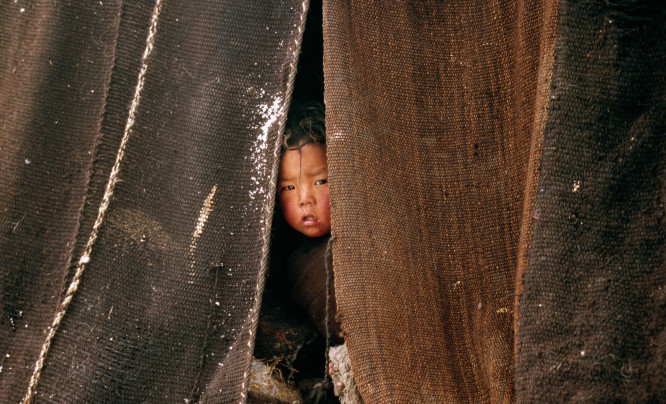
326,207
326,200
283,204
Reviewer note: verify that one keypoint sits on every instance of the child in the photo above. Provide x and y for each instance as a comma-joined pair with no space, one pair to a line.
304,201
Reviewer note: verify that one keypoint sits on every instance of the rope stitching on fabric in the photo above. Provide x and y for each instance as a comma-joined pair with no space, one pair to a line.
108,192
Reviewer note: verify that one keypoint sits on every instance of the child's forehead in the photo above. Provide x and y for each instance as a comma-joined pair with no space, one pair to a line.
310,158
308,153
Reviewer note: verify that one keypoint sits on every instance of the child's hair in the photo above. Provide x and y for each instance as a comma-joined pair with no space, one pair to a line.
305,124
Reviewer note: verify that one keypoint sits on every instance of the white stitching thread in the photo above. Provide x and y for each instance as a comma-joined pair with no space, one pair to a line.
108,192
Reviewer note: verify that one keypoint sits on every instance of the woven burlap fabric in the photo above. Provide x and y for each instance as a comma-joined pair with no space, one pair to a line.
55,65
167,305
432,112
592,325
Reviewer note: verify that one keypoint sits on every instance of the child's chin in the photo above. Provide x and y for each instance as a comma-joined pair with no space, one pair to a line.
314,232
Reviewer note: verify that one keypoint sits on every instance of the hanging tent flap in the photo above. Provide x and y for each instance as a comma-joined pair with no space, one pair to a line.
173,266
55,67
463,136
433,118
591,326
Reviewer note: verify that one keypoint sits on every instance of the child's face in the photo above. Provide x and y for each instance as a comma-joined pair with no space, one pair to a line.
303,190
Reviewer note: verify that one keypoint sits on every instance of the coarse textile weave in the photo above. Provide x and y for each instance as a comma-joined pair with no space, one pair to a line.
432,111
592,325
497,174
173,108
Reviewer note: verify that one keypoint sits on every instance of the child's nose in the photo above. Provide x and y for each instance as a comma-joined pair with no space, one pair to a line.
306,196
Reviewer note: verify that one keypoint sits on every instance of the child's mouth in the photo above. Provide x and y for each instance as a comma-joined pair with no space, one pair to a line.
309,220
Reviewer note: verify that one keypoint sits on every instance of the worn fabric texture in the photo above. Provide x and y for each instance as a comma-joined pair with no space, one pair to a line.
592,314
432,112
173,108
348,391
55,67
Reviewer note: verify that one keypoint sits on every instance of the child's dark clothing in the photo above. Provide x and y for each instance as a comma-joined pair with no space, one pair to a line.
306,273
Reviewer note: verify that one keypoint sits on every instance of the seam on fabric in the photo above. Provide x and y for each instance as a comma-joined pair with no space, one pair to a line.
545,73
269,206
91,166
108,192
329,271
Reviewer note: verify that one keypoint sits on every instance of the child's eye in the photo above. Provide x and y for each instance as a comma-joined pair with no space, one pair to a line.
321,182
287,188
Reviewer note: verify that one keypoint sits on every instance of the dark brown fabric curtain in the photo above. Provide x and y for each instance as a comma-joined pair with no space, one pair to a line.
592,314
174,109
